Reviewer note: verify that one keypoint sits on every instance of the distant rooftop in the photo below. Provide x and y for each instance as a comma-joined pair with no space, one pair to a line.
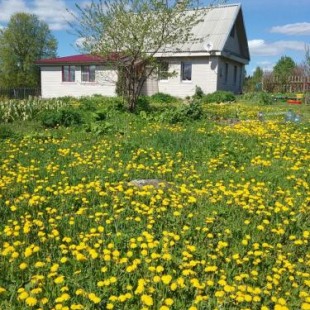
75,59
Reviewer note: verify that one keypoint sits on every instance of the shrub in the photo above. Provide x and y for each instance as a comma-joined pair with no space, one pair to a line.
198,93
100,115
219,96
64,117
98,128
192,111
307,98
263,98
143,104
184,113
6,132
66,99
248,96
163,98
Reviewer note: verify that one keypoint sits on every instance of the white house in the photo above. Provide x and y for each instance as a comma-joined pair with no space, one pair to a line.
214,61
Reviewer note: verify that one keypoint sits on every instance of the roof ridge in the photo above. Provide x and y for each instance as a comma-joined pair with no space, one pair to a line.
220,6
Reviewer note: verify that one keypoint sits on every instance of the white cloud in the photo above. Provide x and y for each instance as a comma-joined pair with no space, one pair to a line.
292,29
54,13
85,4
266,65
260,47
84,43
10,7
79,43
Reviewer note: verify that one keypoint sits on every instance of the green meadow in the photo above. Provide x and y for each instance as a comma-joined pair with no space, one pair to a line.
225,225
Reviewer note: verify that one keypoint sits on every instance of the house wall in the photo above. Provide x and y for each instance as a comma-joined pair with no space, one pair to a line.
204,74
52,85
233,44
150,86
229,80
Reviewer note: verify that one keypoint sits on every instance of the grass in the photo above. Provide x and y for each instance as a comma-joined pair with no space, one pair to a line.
231,231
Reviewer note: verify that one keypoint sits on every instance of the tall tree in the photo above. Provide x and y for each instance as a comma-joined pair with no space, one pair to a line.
133,31
283,69
284,66
24,40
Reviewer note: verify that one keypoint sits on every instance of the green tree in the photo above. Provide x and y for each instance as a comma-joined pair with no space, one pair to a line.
283,69
254,82
133,31
24,40
306,63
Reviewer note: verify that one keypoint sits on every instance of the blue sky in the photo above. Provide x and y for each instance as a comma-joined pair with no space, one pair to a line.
274,28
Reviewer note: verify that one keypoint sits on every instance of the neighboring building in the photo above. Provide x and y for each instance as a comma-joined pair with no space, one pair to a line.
76,76
215,61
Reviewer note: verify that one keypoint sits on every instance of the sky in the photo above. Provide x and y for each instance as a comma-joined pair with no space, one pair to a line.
274,28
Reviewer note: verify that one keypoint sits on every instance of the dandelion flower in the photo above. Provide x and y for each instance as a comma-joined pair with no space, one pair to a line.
147,300
31,301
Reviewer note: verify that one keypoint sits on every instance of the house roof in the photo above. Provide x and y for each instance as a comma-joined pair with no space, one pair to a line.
75,60
214,30
211,37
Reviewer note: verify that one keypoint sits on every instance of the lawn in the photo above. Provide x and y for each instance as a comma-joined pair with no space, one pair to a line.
227,228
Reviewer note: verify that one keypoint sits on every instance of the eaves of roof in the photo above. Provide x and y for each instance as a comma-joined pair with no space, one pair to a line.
76,60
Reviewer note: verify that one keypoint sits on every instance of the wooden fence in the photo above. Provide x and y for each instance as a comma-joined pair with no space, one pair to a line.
291,84
19,93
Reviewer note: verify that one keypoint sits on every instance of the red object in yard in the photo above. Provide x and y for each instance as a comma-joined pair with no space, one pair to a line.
294,101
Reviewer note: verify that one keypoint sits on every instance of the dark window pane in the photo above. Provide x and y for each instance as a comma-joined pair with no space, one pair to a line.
68,73
65,73
88,73
92,73
85,73
72,73
186,71
226,72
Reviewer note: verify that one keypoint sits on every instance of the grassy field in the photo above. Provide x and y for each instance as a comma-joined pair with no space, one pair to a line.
227,229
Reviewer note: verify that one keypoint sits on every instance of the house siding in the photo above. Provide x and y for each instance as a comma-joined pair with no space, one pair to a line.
233,45
232,79
204,75
52,85
150,86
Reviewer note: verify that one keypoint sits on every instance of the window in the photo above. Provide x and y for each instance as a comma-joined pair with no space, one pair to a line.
235,74
68,73
226,72
88,73
186,71
163,70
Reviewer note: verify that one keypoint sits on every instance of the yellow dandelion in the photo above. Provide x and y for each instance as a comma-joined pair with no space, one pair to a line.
23,295
168,301
76,307
23,266
59,280
305,306
147,300
94,298
166,279
2,289
31,301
